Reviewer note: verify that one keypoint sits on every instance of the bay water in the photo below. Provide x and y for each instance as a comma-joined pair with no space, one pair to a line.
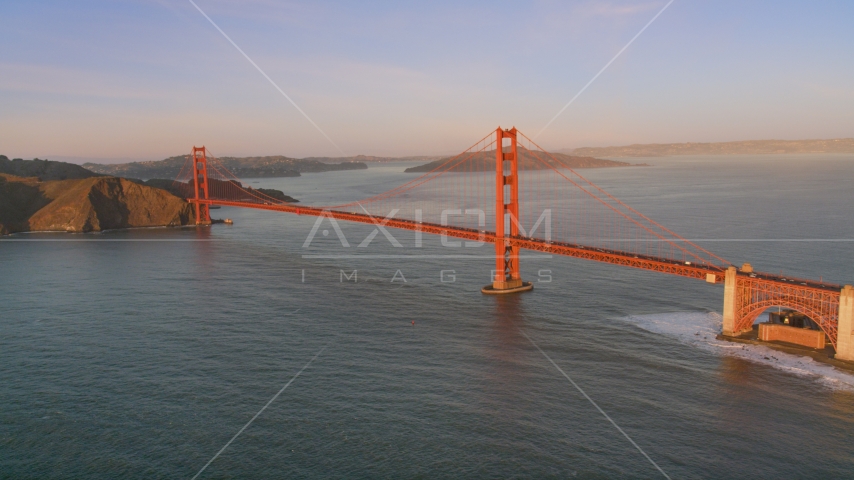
141,353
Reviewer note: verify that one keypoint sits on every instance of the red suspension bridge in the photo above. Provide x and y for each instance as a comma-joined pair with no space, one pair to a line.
507,191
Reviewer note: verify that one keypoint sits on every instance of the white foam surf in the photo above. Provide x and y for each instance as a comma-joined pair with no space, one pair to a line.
699,330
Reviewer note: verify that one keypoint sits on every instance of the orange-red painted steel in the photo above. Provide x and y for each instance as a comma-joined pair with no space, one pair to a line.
755,292
577,251
200,185
506,204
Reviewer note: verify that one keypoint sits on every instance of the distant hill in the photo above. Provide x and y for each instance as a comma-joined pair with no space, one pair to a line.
43,169
244,167
485,161
372,159
185,190
748,147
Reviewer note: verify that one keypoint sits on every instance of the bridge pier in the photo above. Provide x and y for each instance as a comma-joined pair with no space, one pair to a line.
730,302
845,334
506,278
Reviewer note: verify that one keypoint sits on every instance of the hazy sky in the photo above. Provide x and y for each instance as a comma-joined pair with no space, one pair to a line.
150,79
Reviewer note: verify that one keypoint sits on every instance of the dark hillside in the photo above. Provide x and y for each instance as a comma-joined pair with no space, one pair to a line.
44,170
246,167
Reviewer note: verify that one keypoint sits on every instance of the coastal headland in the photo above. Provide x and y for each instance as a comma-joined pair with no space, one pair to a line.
45,196
86,205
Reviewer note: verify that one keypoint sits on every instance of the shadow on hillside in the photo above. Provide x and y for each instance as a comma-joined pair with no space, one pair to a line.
18,202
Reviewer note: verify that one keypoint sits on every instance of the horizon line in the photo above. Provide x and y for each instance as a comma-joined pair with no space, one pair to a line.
81,159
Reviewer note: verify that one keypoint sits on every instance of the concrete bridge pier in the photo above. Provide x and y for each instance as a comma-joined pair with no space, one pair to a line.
845,332
730,293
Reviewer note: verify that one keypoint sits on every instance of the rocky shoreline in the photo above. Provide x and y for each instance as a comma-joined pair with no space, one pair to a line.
86,205
61,197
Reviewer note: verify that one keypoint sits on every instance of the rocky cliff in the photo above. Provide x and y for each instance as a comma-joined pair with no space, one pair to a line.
86,205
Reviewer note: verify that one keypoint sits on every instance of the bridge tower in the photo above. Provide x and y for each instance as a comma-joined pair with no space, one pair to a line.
845,334
506,277
200,185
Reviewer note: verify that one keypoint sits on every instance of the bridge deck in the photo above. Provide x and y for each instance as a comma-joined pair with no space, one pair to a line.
614,257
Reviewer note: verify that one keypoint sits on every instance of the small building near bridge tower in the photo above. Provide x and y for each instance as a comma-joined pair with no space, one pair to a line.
792,327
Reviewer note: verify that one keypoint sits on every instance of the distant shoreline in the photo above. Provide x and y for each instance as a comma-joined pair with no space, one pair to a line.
243,167
747,147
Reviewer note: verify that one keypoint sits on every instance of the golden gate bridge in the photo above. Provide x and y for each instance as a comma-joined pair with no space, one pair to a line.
504,182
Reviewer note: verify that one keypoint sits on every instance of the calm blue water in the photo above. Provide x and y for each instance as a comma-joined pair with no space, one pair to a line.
139,354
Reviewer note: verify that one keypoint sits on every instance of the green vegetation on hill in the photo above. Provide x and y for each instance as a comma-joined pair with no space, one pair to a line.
43,169
185,190
246,167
